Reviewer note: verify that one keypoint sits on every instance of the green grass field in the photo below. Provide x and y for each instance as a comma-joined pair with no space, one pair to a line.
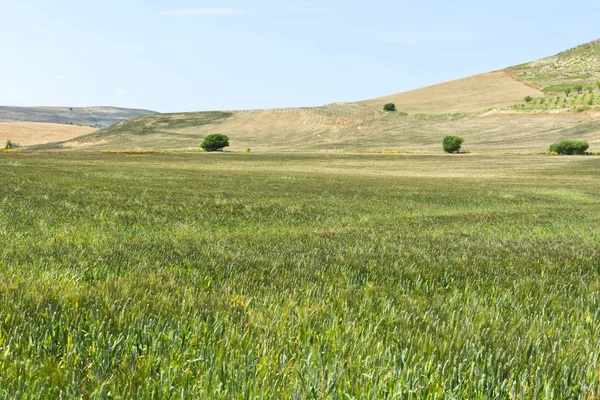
234,276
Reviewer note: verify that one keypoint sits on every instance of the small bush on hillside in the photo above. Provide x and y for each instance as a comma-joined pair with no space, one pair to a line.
578,88
452,144
528,99
567,92
588,88
11,145
570,147
215,142
389,107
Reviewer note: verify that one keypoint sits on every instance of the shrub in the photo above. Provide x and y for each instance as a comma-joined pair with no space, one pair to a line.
588,88
598,84
570,147
528,99
389,107
567,91
578,88
452,144
215,142
11,145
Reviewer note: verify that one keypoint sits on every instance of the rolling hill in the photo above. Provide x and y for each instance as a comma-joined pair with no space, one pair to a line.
488,110
33,133
491,90
95,117
31,126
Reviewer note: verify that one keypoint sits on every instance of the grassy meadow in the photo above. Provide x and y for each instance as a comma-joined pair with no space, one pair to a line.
295,276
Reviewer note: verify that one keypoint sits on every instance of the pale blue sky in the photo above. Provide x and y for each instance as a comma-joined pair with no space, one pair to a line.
188,55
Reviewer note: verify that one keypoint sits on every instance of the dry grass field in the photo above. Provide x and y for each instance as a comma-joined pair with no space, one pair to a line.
32,133
341,128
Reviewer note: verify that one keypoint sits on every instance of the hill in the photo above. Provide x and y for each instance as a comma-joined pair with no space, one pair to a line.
488,110
33,133
570,70
340,127
96,117
491,90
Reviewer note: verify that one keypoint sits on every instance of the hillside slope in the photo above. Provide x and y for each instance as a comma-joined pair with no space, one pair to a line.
96,117
33,133
476,93
340,127
569,69
488,110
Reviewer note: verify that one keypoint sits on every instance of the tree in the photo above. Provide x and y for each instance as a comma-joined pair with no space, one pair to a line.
589,88
452,144
215,142
567,91
578,88
598,84
389,107
528,99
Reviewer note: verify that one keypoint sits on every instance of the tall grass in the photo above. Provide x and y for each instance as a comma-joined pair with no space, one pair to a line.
195,276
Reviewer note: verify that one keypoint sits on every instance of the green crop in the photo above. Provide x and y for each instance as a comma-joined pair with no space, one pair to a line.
233,276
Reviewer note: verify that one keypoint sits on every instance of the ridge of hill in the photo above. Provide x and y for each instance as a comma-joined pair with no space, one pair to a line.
95,117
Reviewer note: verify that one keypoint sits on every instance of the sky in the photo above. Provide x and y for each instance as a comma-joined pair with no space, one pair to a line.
195,55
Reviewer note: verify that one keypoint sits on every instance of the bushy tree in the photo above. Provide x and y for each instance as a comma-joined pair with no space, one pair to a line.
567,91
452,144
528,99
389,107
11,145
570,147
578,88
215,142
588,88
